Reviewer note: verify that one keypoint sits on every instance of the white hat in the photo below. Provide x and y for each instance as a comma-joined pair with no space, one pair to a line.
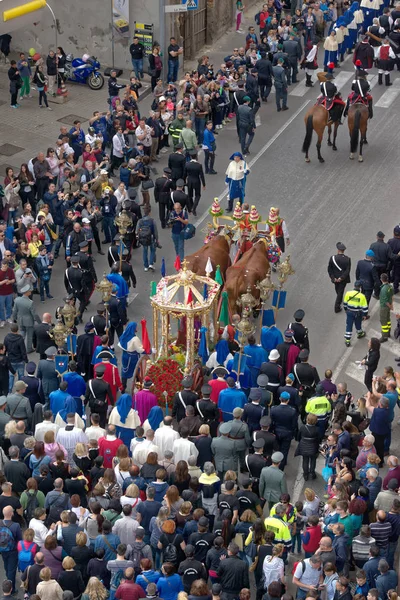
85,220
103,172
274,355
162,99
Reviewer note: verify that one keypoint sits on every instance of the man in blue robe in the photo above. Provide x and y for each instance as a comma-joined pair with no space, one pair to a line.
230,399
255,355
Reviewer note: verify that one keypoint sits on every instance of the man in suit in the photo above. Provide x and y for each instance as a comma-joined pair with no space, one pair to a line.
97,393
48,374
284,421
18,406
162,195
41,336
177,162
118,317
253,411
240,433
224,451
339,272
194,176
25,315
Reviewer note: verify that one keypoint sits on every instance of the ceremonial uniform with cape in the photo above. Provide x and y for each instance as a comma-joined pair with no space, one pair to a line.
236,175
256,355
111,376
245,373
288,356
131,350
125,419
230,399
84,351
70,406
270,338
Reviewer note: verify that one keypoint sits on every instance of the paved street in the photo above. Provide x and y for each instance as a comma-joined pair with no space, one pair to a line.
340,200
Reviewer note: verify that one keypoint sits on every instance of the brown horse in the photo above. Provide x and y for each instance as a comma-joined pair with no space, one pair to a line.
358,122
249,270
316,119
217,250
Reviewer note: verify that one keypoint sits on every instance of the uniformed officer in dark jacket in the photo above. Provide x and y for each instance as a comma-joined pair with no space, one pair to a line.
162,195
394,244
97,392
253,411
306,379
292,48
127,270
113,251
274,372
207,410
182,399
300,333
99,321
179,195
367,273
89,272
73,281
246,124
383,256
194,176
266,395
177,162
117,315
264,70
270,441
339,271
255,463
284,423
253,89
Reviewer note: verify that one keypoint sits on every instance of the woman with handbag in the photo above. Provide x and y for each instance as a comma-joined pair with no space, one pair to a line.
308,446
39,79
155,66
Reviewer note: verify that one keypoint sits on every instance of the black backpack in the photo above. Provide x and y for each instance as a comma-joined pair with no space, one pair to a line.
33,503
171,553
145,234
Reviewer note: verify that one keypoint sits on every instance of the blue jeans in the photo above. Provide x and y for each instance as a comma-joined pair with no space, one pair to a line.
109,229
179,243
173,68
281,94
146,250
200,125
19,367
44,287
137,64
296,539
10,560
6,307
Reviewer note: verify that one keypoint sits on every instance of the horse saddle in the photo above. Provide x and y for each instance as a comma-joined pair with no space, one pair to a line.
325,102
355,98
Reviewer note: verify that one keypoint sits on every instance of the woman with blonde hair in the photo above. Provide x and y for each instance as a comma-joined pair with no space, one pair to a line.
81,553
311,503
95,590
131,497
26,546
71,579
51,446
274,567
155,529
122,469
81,458
48,588
229,476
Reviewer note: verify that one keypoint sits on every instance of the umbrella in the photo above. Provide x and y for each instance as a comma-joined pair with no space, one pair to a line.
224,313
145,337
177,263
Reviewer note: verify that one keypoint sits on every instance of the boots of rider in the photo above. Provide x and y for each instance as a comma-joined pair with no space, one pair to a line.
387,79
380,78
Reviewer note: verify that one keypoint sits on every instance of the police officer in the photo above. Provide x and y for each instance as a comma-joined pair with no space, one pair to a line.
284,422
383,256
89,272
253,411
113,251
361,87
274,372
127,270
367,273
255,463
239,432
73,281
266,395
118,317
97,393
99,321
300,332
207,410
194,176
339,272
320,406
224,451
270,441
356,307
306,378
394,244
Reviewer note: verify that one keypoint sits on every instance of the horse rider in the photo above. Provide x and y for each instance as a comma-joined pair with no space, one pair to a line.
330,96
360,89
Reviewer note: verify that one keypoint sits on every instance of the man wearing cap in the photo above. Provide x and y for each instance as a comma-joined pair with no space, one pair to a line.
183,399
87,266
356,306
219,384
18,406
306,378
208,410
33,389
194,176
255,463
73,281
284,422
300,332
239,432
118,316
382,257
99,394
274,372
253,411
270,440
385,306
367,273
47,374
224,450
291,390
230,398
394,245
273,480
25,315
163,187
246,124
266,395
179,195
113,251
320,406
176,162
288,352
339,272
41,336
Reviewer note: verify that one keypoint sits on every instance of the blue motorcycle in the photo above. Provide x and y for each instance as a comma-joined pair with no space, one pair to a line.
84,70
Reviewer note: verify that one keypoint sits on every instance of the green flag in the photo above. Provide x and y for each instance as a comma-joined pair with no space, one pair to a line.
218,276
224,313
153,288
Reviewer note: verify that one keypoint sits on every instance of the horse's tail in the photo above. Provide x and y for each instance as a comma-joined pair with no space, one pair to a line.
356,132
309,132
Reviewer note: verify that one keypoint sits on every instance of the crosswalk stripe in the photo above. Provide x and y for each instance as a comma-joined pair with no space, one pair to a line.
354,372
389,96
301,90
373,81
391,345
342,78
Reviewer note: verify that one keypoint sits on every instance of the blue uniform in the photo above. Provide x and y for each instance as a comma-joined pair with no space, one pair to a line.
76,387
58,399
256,355
252,415
270,338
230,399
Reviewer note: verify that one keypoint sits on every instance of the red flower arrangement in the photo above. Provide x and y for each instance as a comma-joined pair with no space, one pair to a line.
166,377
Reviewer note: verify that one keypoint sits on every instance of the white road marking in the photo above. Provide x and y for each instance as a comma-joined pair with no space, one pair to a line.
373,81
294,116
391,345
258,120
342,78
354,372
389,96
301,90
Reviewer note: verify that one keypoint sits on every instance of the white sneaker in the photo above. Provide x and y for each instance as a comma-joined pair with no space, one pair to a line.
21,97
145,270
10,321
48,108
2,323
151,267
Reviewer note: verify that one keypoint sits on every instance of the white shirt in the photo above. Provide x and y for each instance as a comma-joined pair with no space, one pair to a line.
41,531
146,141
142,451
70,438
165,437
95,432
41,429
182,449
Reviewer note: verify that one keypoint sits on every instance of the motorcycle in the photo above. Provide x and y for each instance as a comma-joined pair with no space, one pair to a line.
84,70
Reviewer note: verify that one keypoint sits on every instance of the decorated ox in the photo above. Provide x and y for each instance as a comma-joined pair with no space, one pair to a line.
217,250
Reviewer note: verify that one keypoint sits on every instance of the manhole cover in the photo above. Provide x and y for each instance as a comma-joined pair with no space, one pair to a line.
69,119
5,166
10,149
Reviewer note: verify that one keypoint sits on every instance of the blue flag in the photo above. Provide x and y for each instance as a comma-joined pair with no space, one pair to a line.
61,361
72,338
279,299
163,269
203,350
205,292
268,318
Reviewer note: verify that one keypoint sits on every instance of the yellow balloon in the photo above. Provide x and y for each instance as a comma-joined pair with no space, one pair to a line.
32,51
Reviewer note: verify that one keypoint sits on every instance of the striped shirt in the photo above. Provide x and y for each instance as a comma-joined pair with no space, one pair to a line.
381,532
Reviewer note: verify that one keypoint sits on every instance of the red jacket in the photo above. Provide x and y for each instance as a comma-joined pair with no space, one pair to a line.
314,537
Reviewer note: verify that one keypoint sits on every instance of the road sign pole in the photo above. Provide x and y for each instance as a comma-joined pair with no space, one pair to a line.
162,37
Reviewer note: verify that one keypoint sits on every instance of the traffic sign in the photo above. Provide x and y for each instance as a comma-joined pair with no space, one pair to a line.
175,8
191,4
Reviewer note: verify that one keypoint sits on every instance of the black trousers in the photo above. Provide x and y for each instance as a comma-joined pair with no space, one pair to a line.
284,446
194,190
209,158
379,445
163,213
14,98
309,463
42,185
111,332
380,270
265,88
339,289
